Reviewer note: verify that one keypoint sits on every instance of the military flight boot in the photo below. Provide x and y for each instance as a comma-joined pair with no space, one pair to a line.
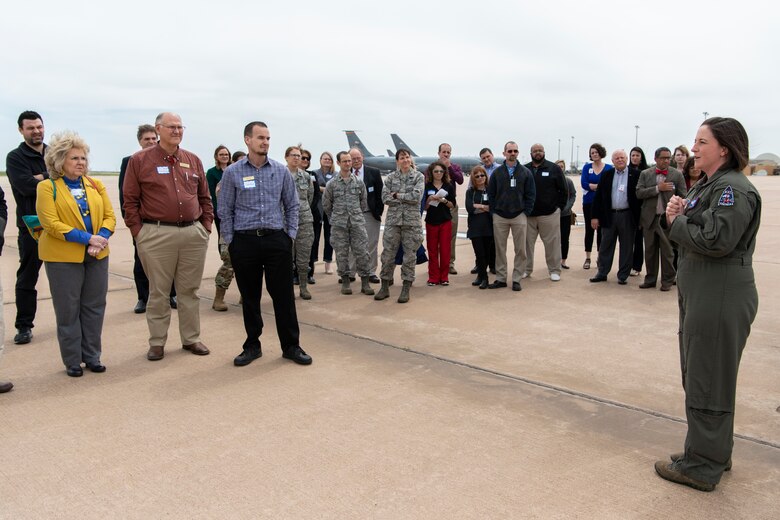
404,296
345,285
365,285
219,304
384,291
303,290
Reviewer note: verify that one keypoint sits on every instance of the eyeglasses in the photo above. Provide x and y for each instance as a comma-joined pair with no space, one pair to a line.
480,176
513,151
174,128
438,171
295,155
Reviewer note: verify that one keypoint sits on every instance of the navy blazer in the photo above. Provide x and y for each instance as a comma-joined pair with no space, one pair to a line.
602,202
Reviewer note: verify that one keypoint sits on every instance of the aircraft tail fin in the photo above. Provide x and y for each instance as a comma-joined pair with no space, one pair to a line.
390,153
354,142
399,143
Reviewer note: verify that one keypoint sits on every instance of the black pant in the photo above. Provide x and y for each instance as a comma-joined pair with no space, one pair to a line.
587,211
484,247
565,234
639,250
141,281
251,256
622,230
26,279
327,249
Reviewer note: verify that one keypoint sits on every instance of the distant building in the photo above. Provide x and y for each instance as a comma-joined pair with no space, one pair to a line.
764,164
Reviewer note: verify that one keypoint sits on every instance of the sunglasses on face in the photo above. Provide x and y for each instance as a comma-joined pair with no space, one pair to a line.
480,176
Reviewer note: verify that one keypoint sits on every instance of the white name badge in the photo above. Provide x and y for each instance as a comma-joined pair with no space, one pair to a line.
545,174
162,170
314,178
621,187
370,189
513,183
249,184
485,197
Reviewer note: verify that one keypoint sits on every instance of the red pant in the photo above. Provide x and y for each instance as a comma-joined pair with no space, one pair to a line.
438,238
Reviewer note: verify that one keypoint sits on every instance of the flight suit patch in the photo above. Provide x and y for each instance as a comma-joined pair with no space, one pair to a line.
727,197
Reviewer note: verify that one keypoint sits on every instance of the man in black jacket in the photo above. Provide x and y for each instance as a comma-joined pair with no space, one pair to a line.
373,217
5,386
511,196
26,168
616,209
545,219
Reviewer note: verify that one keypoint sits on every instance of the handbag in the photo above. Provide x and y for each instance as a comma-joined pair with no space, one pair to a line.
32,222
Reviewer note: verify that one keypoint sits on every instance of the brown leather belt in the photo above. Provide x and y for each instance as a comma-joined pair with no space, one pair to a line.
174,224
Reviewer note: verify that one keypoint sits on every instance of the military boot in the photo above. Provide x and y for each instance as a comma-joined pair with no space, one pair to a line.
365,285
303,290
345,285
384,291
219,301
404,296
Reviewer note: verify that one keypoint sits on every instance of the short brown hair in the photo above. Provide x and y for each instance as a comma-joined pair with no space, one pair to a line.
599,149
144,129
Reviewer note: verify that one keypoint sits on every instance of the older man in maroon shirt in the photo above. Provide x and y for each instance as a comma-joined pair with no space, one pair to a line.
168,210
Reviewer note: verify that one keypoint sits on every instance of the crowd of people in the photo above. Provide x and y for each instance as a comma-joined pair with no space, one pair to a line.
698,220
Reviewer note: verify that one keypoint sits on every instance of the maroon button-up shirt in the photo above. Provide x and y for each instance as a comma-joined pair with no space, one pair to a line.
169,188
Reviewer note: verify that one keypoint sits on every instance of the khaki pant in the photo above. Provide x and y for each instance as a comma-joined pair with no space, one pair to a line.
501,228
549,228
173,254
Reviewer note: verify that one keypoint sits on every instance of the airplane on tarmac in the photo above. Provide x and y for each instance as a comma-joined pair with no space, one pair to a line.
388,163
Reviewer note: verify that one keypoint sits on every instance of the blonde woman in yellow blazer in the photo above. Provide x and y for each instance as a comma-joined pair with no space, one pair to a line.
77,220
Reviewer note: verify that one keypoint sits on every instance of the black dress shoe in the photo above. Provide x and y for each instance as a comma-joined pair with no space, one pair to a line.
474,270
246,357
477,281
140,307
74,371
492,270
174,303
6,386
374,279
598,278
298,355
98,367
484,284
497,285
622,282
646,285
23,336
516,286
311,280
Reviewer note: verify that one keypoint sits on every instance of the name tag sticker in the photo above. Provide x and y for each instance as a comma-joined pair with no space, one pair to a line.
249,178
249,183
162,170
370,189
513,183
314,178
184,165
545,174
485,197
621,187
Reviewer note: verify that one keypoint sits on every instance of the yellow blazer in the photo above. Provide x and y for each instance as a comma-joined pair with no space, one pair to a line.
63,215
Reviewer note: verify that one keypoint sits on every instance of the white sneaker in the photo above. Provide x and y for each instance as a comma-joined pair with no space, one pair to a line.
524,275
634,272
555,277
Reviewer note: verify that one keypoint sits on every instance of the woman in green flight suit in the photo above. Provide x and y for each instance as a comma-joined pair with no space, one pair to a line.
715,230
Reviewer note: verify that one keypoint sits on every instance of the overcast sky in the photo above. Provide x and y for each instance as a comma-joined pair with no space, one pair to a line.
470,73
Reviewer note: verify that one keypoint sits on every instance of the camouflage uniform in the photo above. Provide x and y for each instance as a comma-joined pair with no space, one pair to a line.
225,273
403,222
344,202
305,237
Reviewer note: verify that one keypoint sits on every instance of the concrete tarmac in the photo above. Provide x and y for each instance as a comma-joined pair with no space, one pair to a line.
553,402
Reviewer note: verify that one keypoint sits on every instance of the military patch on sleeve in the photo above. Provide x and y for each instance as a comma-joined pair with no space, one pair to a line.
727,197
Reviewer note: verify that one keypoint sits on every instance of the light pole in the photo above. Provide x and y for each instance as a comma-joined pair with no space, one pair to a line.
571,163
705,115
578,154
636,137
559,148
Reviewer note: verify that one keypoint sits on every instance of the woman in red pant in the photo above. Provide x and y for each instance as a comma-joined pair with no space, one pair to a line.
439,197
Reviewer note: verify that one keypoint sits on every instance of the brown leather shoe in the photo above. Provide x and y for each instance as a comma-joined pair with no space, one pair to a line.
197,349
6,386
671,472
155,353
666,288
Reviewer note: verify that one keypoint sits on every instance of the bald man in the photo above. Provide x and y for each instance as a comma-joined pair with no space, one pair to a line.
169,213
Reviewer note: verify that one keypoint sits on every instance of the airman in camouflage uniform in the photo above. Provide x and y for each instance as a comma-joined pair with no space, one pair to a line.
402,194
305,237
344,202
